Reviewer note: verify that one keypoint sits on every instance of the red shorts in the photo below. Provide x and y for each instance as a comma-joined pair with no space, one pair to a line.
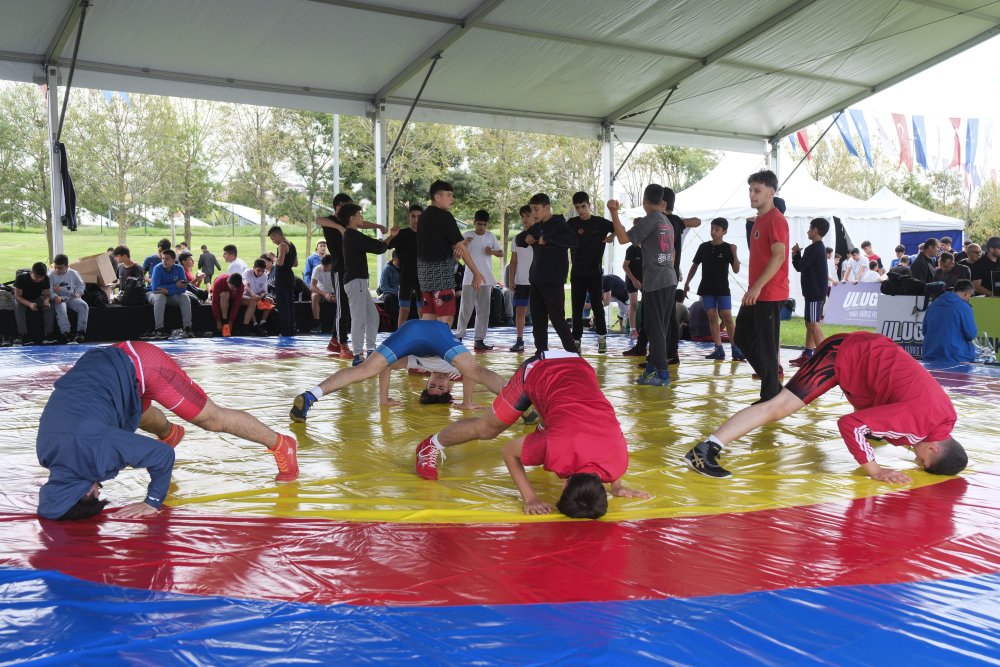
817,376
440,303
162,380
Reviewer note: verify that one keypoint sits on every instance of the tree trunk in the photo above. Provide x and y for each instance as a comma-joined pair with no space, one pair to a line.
122,226
263,220
187,227
310,221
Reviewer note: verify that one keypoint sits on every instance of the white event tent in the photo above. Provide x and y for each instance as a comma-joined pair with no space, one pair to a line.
738,77
917,224
722,193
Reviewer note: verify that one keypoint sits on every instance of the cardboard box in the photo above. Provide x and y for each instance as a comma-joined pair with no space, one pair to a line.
96,269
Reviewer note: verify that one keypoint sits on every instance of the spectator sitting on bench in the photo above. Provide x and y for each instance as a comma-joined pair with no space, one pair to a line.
168,286
236,265
31,292
67,293
227,297
154,259
194,280
129,271
255,294
323,287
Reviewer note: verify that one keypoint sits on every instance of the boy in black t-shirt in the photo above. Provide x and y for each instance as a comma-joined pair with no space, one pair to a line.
715,258
549,239
439,244
404,242
31,292
335,246
593,234
812,264
633,272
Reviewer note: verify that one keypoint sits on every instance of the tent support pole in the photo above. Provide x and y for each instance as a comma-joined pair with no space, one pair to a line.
336,154
55,176
381,171
608,182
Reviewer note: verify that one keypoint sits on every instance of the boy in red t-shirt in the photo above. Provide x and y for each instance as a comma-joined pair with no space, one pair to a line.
758,322
581,441
894,397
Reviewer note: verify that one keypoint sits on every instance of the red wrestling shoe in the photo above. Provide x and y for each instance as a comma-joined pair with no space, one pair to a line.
333,346
175,436
285,456
427,459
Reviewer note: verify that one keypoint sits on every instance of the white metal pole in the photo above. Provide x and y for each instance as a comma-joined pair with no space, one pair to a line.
607,173
380,173
336,153
55,177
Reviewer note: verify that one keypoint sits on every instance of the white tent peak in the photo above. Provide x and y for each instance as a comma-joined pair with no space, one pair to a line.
913,217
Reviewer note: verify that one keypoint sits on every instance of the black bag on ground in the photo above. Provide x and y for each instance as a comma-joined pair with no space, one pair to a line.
898,285
133,292
95,296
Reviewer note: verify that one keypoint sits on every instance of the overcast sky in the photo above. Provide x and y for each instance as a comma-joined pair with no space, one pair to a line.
967,85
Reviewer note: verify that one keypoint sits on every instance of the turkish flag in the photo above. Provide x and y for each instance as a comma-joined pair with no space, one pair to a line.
903,131
956,158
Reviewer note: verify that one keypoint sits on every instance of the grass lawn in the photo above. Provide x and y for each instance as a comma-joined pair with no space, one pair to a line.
793,331
21,249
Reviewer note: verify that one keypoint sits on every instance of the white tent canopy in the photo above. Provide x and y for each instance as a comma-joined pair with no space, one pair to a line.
722,193
914,218
744,74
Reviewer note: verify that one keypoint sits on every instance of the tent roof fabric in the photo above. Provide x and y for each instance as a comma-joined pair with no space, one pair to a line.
914,218
744,72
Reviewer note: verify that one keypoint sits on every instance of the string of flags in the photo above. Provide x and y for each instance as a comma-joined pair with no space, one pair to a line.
933,143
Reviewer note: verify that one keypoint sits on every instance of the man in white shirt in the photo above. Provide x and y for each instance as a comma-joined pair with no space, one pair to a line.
67,292
520,269
483,247
255,292
324,287
831,267
853,267
871,274
236,265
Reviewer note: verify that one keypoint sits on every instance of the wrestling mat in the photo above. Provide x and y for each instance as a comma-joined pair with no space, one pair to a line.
798,558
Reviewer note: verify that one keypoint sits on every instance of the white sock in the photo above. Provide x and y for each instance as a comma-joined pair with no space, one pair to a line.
316,391
436,442
712,438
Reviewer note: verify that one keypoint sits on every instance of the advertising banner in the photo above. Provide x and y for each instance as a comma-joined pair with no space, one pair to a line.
900,319
856,305
986,310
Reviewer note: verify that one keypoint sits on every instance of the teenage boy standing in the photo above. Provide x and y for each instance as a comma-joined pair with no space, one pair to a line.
812,264
593,234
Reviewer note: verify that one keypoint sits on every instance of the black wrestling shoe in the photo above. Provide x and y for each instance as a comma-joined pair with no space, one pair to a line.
704,459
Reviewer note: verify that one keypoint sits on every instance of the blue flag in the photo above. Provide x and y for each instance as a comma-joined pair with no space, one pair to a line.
858,116
971,139
845,133
920,140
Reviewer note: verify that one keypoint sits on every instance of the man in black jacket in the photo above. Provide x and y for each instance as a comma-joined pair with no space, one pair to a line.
208,264
812,264
550,238
923,266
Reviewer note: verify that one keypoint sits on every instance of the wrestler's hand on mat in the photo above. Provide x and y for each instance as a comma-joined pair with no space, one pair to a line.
536,506
135,511
881,474
469,405
619,491
390,403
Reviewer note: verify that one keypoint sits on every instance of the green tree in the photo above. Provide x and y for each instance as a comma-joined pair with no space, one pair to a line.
426,152
311,145
502,170
682,167
985,219
258,141
24,169
116,148
194,150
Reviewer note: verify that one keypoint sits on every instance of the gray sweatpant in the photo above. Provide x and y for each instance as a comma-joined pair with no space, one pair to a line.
480,300
364,315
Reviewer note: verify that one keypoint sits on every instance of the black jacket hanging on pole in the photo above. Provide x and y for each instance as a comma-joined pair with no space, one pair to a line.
68,213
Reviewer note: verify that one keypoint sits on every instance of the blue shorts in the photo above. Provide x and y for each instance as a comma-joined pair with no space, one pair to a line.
521,297
814,311
423,338
717,302
408,303
406,292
